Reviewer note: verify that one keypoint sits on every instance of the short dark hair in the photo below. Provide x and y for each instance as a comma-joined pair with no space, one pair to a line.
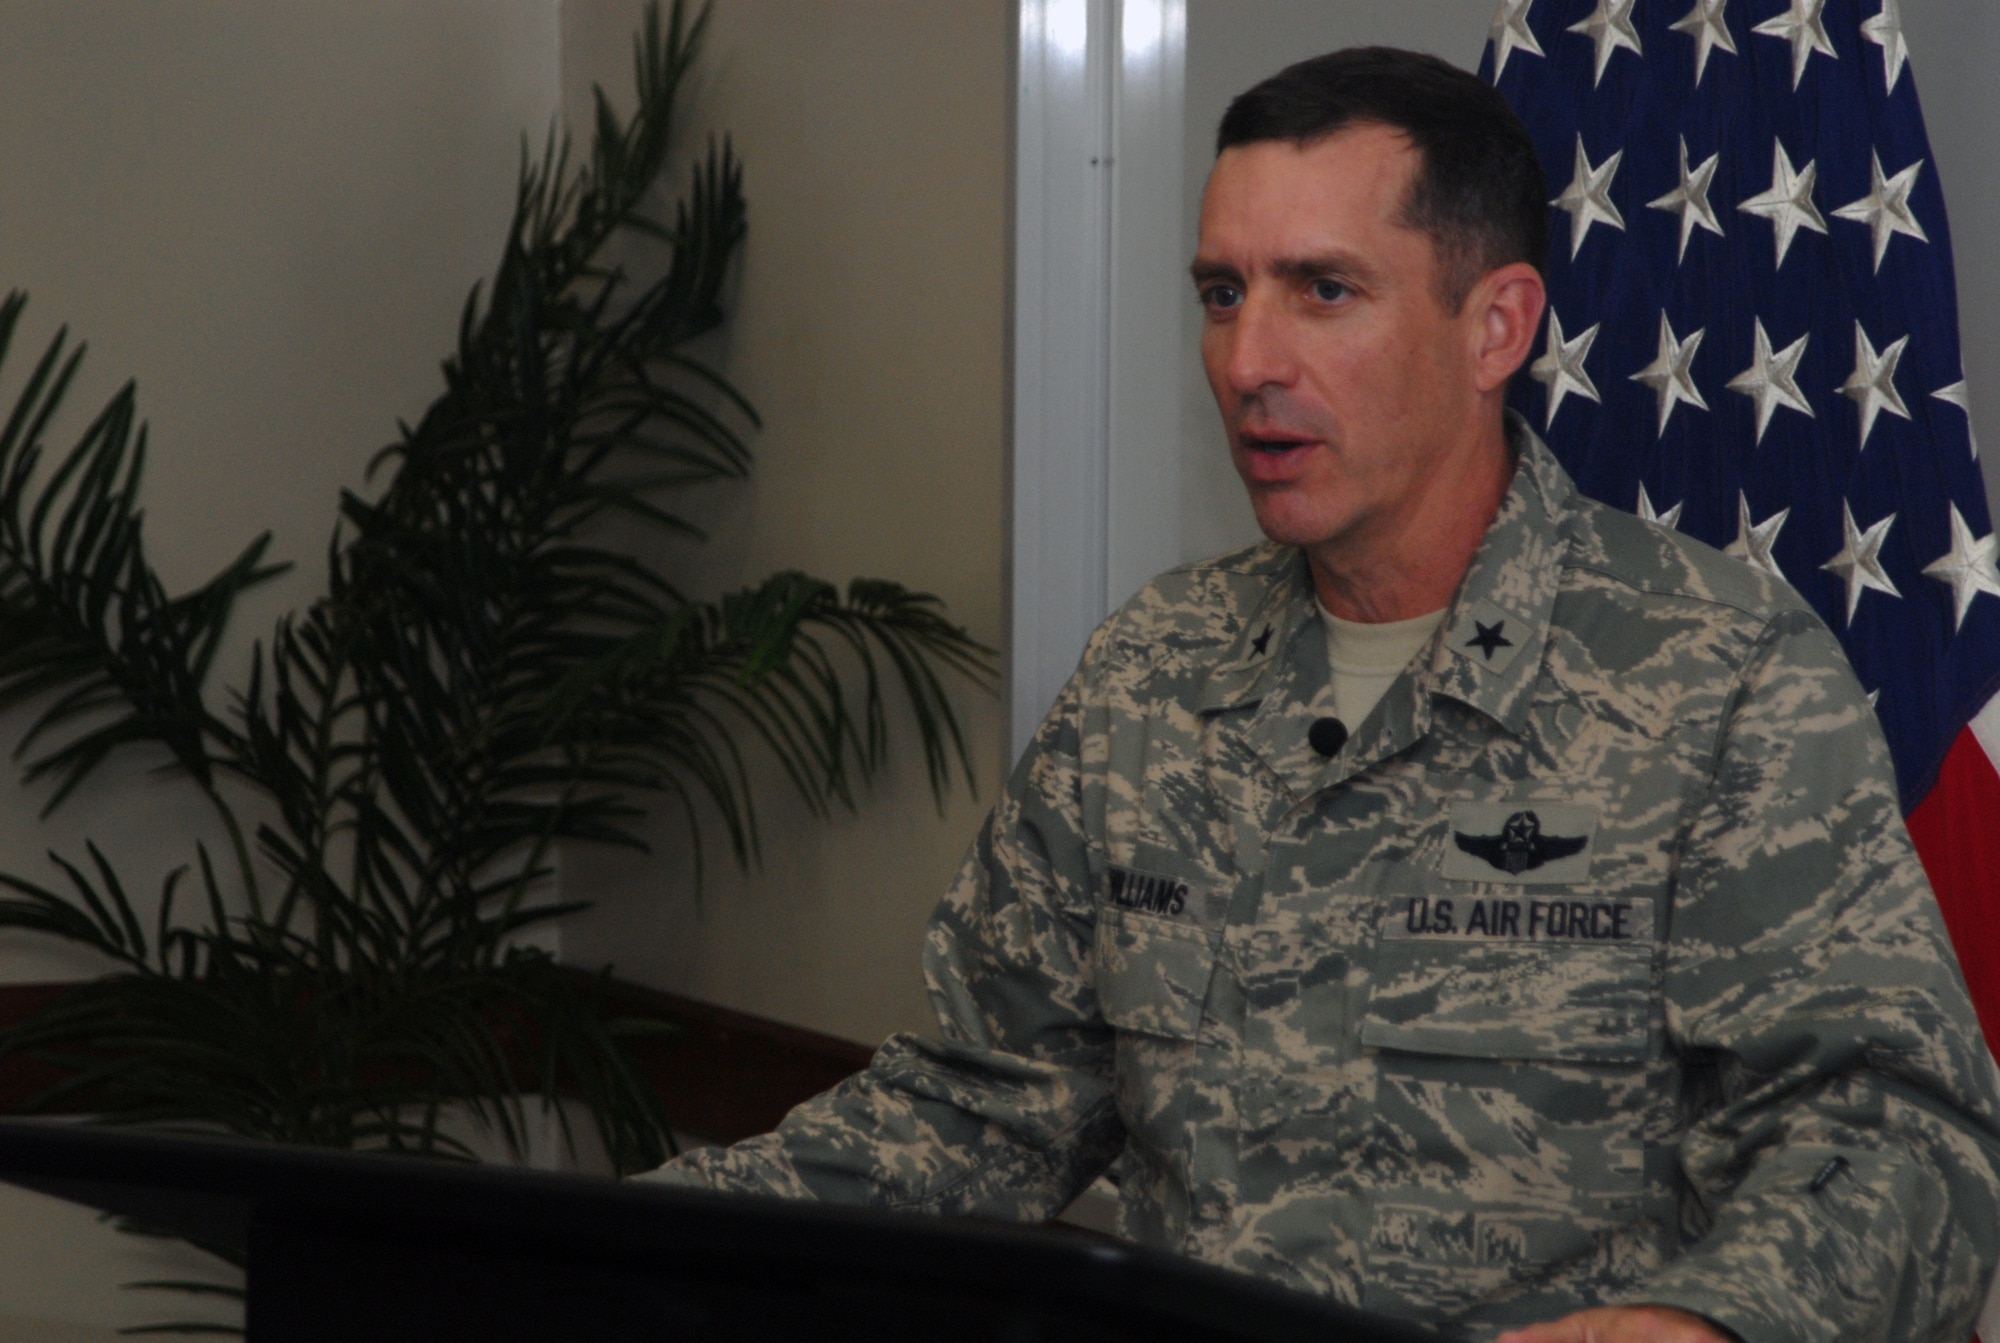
1480,194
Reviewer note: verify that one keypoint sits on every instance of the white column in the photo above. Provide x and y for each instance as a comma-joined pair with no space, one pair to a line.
1097,220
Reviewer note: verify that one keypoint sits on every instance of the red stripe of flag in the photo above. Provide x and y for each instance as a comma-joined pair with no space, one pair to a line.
1957,832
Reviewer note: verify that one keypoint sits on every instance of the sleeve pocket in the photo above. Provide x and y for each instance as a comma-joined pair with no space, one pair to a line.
1152,974
1582,1004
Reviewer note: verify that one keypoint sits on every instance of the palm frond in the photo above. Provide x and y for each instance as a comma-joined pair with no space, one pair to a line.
778,659
81,610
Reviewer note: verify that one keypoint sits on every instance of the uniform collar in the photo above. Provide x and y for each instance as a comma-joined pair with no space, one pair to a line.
1265,650
1498,625
1486,654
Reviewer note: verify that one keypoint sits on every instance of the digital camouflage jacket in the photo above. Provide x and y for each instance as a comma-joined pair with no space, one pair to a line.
1595,967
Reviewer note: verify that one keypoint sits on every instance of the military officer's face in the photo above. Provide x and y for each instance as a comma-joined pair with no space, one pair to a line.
1347,389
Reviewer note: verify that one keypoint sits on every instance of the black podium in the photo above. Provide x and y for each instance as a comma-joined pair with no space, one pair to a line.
346,1247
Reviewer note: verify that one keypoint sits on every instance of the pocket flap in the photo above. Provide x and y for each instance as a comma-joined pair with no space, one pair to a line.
1588,1003
1152,975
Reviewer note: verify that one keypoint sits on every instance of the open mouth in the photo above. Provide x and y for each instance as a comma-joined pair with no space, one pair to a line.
1272,459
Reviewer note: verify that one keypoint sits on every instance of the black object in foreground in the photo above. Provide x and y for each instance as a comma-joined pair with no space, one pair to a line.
345,1247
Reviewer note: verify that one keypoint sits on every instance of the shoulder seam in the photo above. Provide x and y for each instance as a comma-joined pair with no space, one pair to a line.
1763,616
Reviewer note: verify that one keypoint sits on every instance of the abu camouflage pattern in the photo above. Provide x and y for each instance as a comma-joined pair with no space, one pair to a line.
1343,1025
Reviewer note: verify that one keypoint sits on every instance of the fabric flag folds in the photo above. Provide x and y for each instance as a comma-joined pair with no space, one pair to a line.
1753,336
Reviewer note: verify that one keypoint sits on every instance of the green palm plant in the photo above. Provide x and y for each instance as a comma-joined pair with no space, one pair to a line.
485,679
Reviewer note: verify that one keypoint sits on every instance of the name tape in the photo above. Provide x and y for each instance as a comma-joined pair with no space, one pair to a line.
1146,892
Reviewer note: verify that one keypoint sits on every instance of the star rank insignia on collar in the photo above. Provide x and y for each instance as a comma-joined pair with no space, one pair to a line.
1261,644
1490,639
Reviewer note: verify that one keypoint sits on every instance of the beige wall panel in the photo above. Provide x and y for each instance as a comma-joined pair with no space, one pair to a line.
269,214
869,329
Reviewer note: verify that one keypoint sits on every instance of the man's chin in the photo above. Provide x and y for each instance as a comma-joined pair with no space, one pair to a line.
1289,529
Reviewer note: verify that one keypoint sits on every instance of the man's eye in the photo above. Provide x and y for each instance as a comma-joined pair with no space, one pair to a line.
1221,296
1329,291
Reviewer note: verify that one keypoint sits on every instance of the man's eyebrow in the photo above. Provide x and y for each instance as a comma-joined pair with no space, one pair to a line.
1340,265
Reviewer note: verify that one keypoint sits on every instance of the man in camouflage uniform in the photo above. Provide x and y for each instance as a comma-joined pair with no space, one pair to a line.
1591,977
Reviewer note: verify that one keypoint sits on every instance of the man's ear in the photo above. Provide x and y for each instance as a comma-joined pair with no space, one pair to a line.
1506,306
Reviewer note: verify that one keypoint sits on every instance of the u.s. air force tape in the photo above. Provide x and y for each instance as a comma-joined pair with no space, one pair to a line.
1518,919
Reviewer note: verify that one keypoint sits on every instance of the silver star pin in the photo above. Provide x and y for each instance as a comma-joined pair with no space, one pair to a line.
1789,203
1802,26
1885,30
1561,369
1859,563
1705,24
1958,394
1886,207
1610,26
1669,519
1754,540
1690,199
1969,566
1587,198
1872,385
1671,374
1510,33
1772,380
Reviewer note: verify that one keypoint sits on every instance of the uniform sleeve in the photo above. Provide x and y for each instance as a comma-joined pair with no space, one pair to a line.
1010,1113
1838,1136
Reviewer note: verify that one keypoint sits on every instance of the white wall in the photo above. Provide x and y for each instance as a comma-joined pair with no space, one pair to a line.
869,329
1954,45
269,215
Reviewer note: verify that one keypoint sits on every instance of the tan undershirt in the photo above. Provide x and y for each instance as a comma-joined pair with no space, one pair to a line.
1366,659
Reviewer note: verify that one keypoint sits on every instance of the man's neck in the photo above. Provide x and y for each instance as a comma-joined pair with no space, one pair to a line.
1373,579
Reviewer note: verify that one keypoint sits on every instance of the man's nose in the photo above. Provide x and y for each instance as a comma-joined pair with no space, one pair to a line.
1260,347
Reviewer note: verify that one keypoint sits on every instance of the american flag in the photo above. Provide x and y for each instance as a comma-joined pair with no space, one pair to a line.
1753,336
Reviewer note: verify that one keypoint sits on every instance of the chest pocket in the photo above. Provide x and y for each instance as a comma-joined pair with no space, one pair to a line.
1562,1002
1153,972
1505,1130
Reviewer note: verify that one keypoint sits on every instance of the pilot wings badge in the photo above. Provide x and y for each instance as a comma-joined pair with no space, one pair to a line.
1521,846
